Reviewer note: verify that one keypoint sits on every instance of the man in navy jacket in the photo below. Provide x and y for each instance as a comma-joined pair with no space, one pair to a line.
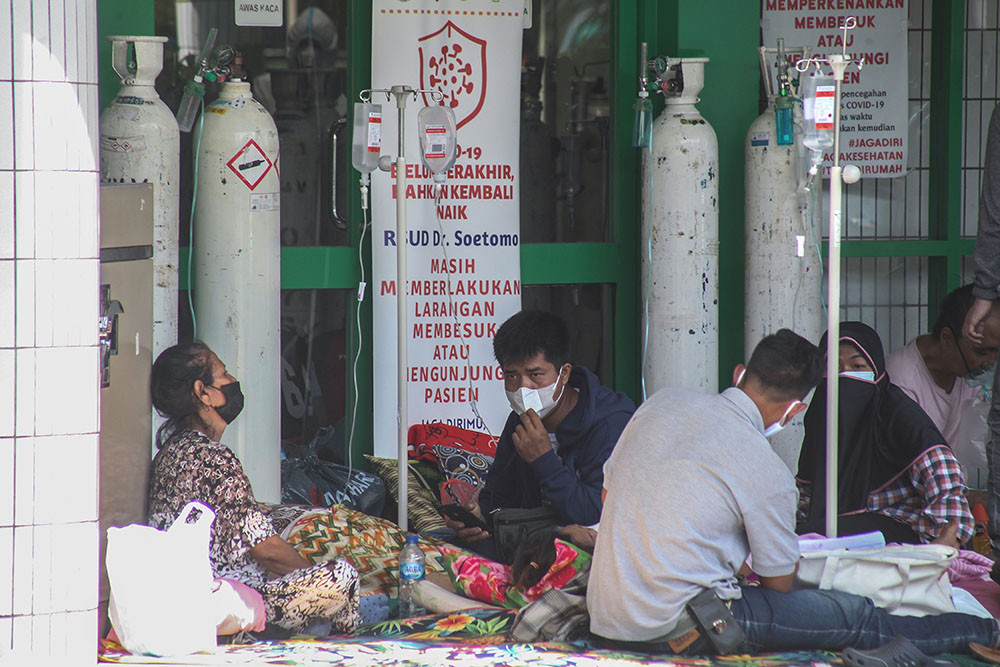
563,427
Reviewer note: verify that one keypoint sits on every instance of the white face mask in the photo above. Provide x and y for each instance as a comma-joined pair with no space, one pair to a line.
780,424
540,400
868,376
772,429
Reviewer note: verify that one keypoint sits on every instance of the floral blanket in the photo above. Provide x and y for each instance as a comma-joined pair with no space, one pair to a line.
471,638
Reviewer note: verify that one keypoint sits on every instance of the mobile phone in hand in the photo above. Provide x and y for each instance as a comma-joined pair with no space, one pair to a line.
459,513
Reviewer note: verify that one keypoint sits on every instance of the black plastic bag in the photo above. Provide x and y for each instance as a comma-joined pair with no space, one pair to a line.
312,481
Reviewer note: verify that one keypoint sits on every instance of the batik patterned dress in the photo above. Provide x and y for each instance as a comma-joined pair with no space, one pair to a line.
192,466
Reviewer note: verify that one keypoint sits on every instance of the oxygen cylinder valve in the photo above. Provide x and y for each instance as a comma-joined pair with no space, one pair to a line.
212,66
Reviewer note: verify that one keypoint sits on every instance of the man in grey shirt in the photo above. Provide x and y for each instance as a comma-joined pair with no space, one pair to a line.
692,488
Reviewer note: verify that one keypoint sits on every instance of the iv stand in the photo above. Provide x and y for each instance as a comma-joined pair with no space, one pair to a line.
838,62
402,93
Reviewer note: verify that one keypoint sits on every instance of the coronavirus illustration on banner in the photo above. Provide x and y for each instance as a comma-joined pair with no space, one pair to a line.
463,252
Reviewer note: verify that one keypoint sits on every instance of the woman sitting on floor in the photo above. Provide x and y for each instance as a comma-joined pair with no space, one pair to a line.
191,388
896,474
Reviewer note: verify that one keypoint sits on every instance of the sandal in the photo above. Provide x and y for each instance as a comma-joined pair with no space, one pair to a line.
900,652
986,653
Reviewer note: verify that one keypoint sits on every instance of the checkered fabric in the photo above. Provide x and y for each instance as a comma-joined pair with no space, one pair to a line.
927,495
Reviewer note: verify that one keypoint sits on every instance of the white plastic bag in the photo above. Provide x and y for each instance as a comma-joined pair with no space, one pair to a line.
161,585
907,580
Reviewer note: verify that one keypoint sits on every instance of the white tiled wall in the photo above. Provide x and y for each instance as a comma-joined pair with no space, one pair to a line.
48,329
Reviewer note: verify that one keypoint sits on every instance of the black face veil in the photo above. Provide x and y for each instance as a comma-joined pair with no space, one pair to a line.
882,431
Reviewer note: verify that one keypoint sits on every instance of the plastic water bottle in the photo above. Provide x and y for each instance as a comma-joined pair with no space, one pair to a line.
411,570
981,538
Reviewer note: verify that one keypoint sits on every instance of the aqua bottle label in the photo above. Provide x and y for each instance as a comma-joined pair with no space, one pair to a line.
412,571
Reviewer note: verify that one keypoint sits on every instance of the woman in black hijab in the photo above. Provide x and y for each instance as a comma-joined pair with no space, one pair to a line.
895,472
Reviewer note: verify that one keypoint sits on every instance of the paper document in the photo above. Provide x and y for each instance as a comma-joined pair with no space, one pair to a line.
872,540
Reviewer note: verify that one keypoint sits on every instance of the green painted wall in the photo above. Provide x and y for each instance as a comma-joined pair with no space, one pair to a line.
730,104
118,17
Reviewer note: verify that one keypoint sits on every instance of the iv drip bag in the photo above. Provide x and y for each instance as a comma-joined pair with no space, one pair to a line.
818,112
367,137
438,139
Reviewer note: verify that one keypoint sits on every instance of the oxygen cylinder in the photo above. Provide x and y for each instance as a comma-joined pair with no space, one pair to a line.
680,271
140,143
784,272
237,267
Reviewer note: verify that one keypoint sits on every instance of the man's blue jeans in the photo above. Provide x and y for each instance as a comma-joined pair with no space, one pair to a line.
831,620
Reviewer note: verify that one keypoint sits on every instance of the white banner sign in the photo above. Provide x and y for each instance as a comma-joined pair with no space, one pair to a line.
463,255
874,101
259,14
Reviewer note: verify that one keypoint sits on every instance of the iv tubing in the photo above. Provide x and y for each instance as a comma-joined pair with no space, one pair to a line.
357,320
194,199
451,305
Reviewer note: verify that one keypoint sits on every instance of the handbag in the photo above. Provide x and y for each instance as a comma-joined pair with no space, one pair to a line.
907,579
715,622
511,526
161,585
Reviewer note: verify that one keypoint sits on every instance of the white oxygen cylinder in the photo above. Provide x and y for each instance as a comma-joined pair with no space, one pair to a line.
237,271
140,143
681,267
784,272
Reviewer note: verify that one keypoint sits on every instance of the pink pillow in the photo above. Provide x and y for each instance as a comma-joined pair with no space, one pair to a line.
487,581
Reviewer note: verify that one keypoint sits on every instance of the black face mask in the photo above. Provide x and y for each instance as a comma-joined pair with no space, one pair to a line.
234,402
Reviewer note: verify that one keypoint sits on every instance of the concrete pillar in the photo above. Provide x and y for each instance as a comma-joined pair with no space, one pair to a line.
49,275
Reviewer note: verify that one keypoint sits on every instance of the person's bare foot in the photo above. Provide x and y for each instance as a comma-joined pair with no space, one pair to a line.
949,535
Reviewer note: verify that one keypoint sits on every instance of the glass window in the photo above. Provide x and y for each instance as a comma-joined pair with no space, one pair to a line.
299,75
315,367
589,311
565,120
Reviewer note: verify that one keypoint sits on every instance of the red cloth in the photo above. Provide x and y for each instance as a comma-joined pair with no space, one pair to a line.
422,437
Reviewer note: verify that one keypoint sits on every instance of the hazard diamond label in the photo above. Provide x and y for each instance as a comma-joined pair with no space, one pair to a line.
250,164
